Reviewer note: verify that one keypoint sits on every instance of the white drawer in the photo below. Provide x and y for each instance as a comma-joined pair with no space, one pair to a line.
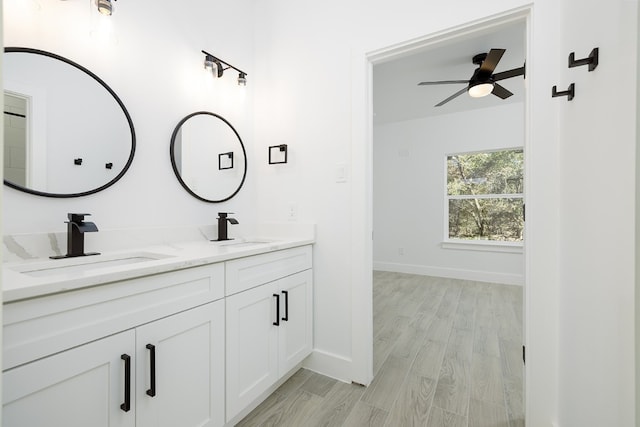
41,326
246,273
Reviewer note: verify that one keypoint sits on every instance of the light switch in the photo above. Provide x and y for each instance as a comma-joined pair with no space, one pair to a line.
341,172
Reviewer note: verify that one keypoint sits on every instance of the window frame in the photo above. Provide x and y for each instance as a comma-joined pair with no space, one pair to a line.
479,245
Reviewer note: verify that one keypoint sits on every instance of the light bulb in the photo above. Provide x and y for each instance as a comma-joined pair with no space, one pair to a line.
208,61
104,7
480,90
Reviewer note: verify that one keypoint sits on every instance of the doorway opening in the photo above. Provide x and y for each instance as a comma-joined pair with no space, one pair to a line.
16,143
398,128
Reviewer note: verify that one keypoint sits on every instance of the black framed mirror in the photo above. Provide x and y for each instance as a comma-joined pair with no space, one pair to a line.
208,157
67,133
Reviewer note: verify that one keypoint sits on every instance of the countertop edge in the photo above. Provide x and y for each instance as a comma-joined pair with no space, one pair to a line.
26,287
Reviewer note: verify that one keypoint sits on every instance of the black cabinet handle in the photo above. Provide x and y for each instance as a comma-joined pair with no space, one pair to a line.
286,306
152,366
126,406
277,322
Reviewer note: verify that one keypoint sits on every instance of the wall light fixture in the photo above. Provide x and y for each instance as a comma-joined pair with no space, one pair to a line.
218,66
105,7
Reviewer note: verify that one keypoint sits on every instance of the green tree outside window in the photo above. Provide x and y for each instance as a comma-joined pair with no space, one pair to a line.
484,192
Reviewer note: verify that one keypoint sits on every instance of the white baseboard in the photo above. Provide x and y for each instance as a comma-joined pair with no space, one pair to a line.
329,364
257,401
452,273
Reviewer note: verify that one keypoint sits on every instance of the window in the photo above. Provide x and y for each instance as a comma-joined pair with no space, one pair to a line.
484,196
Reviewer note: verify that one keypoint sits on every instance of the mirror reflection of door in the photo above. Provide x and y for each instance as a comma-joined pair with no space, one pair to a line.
15,139
80,138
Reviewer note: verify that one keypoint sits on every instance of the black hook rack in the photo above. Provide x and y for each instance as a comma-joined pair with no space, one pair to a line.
77,161
569,93
591,60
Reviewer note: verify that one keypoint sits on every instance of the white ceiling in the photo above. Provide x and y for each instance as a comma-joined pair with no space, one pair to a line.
397,96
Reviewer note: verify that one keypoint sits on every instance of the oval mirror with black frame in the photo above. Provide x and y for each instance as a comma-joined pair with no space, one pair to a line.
208,157
66,133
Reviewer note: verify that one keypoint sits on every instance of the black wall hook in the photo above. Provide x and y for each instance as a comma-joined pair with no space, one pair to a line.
569,93
77,161
108,165
591,60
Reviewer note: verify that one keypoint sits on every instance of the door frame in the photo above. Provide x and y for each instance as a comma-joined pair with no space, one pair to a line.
362,175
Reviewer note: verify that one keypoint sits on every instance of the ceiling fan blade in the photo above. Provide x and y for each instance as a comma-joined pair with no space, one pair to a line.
455,95
508,74
501,91
491,61
443,82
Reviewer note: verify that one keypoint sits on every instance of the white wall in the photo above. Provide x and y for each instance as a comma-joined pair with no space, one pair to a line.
580,337
597,236
408,193
304,99
150,56
311,61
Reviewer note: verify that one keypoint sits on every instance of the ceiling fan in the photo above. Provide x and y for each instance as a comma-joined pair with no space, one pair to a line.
483,81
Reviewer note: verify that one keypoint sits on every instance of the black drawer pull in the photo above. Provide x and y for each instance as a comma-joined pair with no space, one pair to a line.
286,306
152,369
277,322
126,406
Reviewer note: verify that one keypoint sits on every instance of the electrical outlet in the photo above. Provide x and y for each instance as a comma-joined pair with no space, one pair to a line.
292,211
401,251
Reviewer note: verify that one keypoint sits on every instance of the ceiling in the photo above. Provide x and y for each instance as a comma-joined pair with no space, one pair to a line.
397,96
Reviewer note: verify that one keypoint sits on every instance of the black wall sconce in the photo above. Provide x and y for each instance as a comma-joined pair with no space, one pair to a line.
218,66
282,149
228,164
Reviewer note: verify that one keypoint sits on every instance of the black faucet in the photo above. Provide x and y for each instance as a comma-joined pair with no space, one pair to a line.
222,225
76,227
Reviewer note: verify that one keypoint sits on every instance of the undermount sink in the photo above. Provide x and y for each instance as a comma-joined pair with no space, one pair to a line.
243,242
85,264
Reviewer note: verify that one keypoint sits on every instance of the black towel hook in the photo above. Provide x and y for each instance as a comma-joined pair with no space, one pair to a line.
569,93
591,60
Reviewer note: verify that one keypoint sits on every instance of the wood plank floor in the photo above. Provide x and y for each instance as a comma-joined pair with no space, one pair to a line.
447,353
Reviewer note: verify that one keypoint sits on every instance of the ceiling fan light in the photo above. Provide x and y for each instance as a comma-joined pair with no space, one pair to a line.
480,89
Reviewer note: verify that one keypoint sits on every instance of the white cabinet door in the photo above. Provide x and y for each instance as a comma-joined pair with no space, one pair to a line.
295,333
187,351
269,331
252,345
80,387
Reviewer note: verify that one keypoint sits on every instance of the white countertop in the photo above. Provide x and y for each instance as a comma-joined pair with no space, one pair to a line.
175,256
